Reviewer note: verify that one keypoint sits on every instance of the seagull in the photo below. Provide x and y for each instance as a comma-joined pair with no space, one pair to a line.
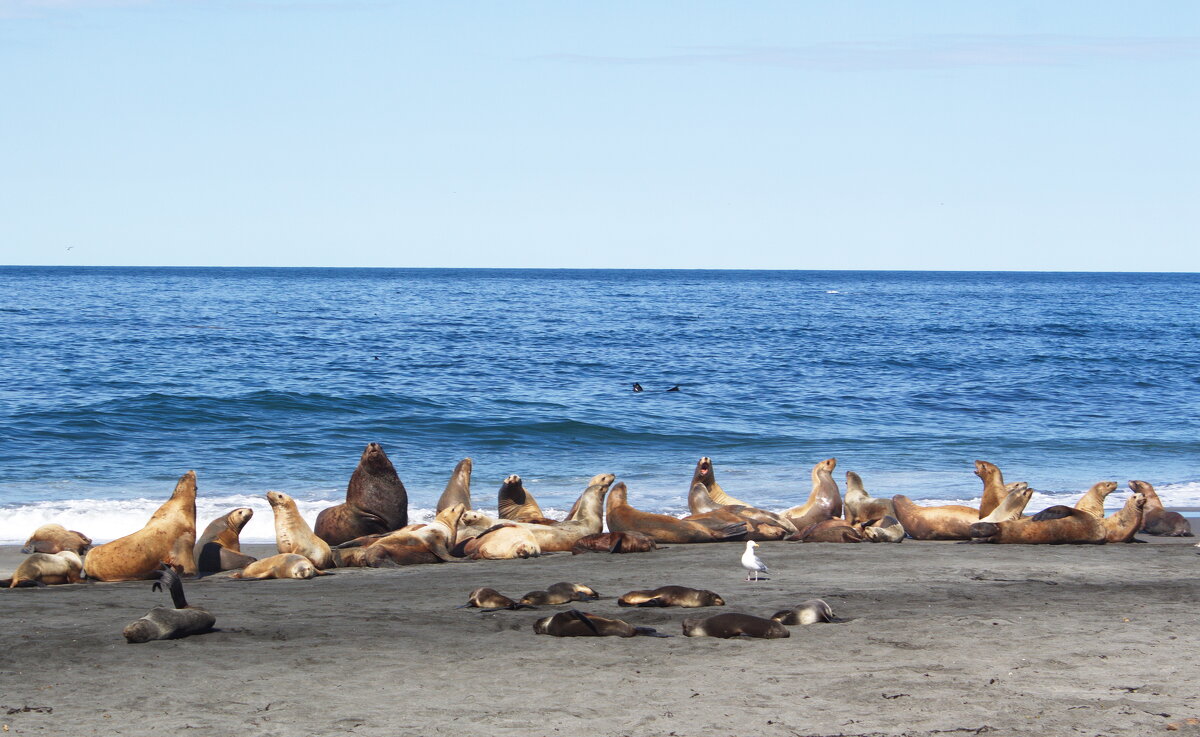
751,562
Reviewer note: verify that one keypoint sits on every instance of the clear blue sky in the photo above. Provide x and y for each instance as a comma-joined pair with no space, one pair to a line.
892,135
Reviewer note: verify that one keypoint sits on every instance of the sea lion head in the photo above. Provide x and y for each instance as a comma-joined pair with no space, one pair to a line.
827,465
140,631
711,598
542,626
983,469
1134,486
704,471
373,459
302,569
278,499
602,479
239,517
1138,500
1106,487
693,627
471,517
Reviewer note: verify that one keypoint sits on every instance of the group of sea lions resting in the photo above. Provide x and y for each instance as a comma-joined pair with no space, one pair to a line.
371,527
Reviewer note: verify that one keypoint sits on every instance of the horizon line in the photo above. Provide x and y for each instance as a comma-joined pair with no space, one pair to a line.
588,268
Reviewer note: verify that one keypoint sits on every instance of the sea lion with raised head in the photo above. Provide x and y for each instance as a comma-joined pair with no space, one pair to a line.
663,528
54,538
292,533
824,501
1012,506
491,600
161,623
807,612
47,569
704,474
1156,520
1092,500
586,518
219,547
515,503
1122,525
560,593
665,596
283,565
458,488
614,542
886,530
168,537
860,506
734,624
994,489
376,501
574,623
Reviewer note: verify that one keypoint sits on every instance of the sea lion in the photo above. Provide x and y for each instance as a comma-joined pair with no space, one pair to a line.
44,569
412,544
168,537
501,542
948,522
663,528
1121,526
560,593
734,624
1092,500
1013,504
491,600
824,501
808,612
665,596
516,504
829,531
292,533
704,474
161,623
1057,525
886,530
761,523
614,542
994,489
376,501
860,506
458,488
574,623
284,565
1157,520
586,518
53,538
218,548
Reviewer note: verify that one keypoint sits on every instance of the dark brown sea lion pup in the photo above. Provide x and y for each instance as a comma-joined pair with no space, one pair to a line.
491,600
161,623
614,542
665,596
734,624
1062,525
1156,519
704,474
1092,500
824,501
169,537
376,501
219,547
860,506
46,569
807,612
663,528
574,623
292,533
284,565
560,593
54,538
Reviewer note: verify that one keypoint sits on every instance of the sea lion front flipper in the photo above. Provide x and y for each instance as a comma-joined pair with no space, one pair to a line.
1058,511
515,503
174,585
583,617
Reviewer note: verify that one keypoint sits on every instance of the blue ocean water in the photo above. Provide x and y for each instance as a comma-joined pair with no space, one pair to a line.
114,381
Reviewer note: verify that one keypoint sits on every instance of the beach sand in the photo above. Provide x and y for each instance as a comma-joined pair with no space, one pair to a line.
941,638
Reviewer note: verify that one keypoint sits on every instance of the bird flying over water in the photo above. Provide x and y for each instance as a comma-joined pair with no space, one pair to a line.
751,562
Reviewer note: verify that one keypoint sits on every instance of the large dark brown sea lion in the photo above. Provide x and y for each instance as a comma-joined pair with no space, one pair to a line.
45,569
665,596
1157,520
704,474
1092,500
574,623
376,501
161,623
734,624
614,542
824,501
860,506
284,565
219,547
169,537
807,612
662,527
292,533
54,538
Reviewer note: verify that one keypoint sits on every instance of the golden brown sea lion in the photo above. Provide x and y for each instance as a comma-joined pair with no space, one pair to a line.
948,522
662,527
614,542
292,533
168,537
412,544
574,623
219,547
47,569
491,600
665,596
502,542
283,565
560,593
704,474
586,518
1121,526
829,531
1057,525
1092,500
734,624
1013,504
458,488
824,501
1156,520
860,506
759,521
376,501
886,530
54,538
994,489
161,623
807,612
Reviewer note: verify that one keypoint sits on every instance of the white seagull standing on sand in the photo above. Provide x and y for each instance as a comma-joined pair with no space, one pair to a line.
751,562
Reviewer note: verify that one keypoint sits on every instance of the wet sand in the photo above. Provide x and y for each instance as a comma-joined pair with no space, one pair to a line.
941,638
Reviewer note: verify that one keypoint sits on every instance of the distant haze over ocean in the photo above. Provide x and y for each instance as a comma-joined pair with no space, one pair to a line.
114,381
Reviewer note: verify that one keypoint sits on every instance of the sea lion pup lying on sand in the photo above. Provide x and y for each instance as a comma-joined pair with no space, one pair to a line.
161,623
1062,525
1092,500
614,542
284,565
292,533
574,623
491,600
376,501
54,538
168,537
1157,520
665,596
807,612
420,543
824,501
219,547
762,525
664,528
734,624
44,569
860,507
560,593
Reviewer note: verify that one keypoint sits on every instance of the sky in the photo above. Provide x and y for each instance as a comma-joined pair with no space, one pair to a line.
770,135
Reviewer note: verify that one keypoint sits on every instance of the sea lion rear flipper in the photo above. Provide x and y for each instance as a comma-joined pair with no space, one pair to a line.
652,602
583,617
732,531
648,632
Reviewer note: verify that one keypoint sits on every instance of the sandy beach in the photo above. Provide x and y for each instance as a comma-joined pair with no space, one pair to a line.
940,638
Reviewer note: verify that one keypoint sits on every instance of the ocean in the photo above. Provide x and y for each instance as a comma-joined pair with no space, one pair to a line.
115,381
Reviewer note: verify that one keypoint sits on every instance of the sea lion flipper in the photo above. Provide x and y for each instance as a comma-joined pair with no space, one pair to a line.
1059,511
648,632
653,602
583,617
174,585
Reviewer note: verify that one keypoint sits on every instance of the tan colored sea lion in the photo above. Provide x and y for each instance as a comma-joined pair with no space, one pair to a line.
515,503
807,612
948,522
54,538
560,593
586,518
829,531
502,542
1013,504
491,600
161,623
704,474
376,501
283,565
458,488
412,544
292,533
1092,500
47,569
614,542
886,530
860,506
574,623
722,518
662,528
1057,525
758,521
1121,526
734,624
994,489
1157,520
824,501
169,537
666,596
219,547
